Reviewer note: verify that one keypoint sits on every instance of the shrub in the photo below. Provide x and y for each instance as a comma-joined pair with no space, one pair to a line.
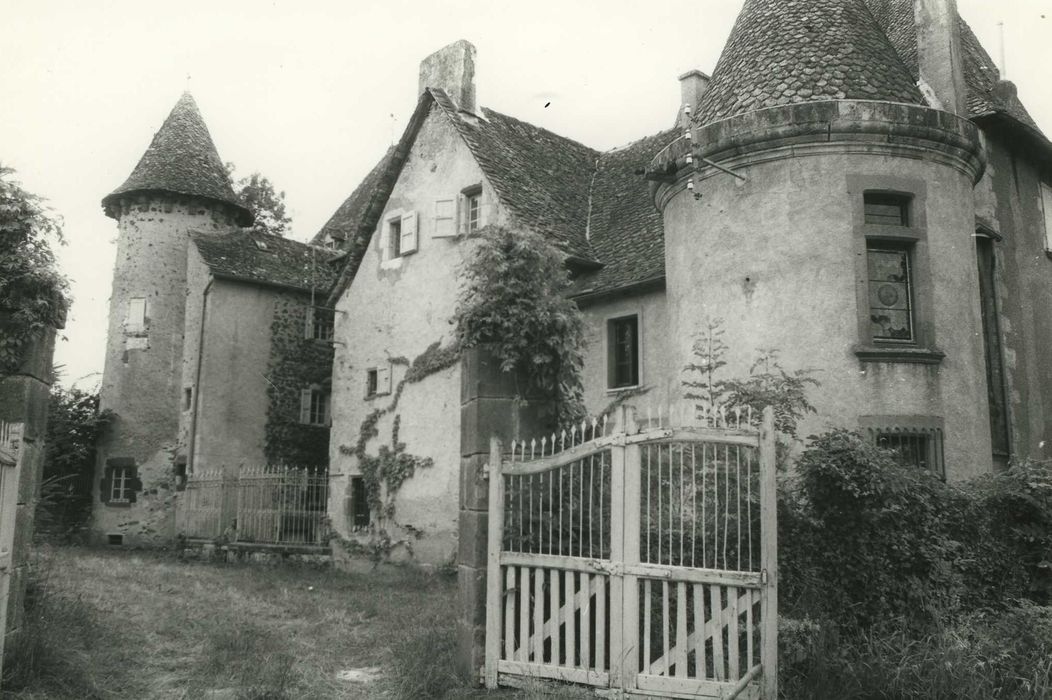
514,299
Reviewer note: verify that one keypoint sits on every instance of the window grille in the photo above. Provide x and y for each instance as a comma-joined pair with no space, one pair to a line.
912,445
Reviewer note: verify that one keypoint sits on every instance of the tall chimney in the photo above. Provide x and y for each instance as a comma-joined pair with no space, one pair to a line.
939,55
692,85
452,69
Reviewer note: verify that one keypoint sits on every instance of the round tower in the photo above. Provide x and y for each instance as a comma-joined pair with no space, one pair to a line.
817,205
178,186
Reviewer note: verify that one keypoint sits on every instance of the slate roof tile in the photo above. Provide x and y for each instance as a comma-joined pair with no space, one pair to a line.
182,159
784,51
279,261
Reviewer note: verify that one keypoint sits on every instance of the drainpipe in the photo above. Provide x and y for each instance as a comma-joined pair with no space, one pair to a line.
197,379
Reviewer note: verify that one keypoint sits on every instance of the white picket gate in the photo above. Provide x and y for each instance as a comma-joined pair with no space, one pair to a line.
638,556
10,470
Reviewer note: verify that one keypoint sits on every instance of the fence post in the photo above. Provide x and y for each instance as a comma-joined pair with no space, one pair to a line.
494,539
769,554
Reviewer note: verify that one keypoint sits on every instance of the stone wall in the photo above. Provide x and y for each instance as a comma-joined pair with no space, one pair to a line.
24,399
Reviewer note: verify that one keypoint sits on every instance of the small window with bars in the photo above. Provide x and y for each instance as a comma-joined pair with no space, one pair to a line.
915,443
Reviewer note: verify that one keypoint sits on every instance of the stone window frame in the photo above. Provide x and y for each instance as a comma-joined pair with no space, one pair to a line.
608,348
130,483
922,349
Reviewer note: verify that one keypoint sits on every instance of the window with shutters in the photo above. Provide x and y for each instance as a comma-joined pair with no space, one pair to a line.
471,209
394,238
377,381
623,352
314,406
895,305
445,218
136,320
320,323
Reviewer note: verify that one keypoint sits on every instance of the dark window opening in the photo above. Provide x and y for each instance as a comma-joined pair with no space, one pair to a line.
371,382
360,515
188,398
394,238
890,292
115,540
995,377
886,209
323,324
623,338
919,448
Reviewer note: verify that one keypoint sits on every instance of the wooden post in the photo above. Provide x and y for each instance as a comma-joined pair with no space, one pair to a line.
769,555
626,608
495,537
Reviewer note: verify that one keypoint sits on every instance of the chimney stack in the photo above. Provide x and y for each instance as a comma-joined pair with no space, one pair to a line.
692,85
939,55
452,69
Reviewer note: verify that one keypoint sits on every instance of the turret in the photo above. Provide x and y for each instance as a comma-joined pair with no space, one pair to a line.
178,186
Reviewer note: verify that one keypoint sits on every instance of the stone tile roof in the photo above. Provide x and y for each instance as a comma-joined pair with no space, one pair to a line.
344,222
626,231
541,177
896,18
182,159
268,260
785,51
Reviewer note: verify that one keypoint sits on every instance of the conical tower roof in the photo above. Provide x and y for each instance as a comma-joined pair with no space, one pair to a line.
182,159
787,51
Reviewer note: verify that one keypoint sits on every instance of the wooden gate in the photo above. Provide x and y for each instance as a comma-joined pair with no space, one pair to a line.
638,556
10,469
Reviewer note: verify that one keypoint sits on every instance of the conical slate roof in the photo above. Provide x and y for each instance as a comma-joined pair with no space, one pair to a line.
183,160
786,51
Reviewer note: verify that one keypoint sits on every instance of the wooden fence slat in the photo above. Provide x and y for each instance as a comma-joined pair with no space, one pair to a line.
769,556
586,621
510,595
664,627
538,615
554,589
647,600
733,672
681,630
524,615
494,588
571,601
716,608
600,622
699,630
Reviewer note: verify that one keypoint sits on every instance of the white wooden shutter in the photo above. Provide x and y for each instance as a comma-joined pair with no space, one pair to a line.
409,237
136,320
305,395
383,380
445,217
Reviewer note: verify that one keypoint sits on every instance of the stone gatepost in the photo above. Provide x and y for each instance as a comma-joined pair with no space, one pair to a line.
492,404
24,398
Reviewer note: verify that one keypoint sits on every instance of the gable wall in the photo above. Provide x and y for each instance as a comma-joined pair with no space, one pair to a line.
396,310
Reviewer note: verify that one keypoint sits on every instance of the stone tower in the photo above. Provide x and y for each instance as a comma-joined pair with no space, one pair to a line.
179,186
820,202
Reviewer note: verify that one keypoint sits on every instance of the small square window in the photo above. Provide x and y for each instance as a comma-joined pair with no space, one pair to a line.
372,383
321,323
890,292
394,239
886,209
623,352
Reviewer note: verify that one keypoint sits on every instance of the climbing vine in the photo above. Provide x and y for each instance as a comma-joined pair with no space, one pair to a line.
514,300
384,473
33,294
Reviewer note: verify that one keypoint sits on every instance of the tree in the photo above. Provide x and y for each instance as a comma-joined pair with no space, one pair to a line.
257,194
33,294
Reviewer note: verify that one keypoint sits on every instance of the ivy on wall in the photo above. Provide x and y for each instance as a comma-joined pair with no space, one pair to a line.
296,363
385,472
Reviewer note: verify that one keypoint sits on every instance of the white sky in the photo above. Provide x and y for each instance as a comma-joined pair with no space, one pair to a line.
311,93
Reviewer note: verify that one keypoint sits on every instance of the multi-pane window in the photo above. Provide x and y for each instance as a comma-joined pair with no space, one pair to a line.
314,406
886,209
320,323
623,344
120,481
473,202
120,485
890,292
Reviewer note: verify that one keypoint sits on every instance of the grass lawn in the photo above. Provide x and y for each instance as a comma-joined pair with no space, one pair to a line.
117,624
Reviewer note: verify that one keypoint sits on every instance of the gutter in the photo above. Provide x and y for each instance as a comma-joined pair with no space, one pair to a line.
589,296
192,448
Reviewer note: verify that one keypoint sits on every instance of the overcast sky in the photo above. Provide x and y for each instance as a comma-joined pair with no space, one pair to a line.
311,93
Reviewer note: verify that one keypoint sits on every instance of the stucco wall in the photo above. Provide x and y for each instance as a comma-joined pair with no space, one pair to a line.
397,310
774,257
143,386
1008,199
659,378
